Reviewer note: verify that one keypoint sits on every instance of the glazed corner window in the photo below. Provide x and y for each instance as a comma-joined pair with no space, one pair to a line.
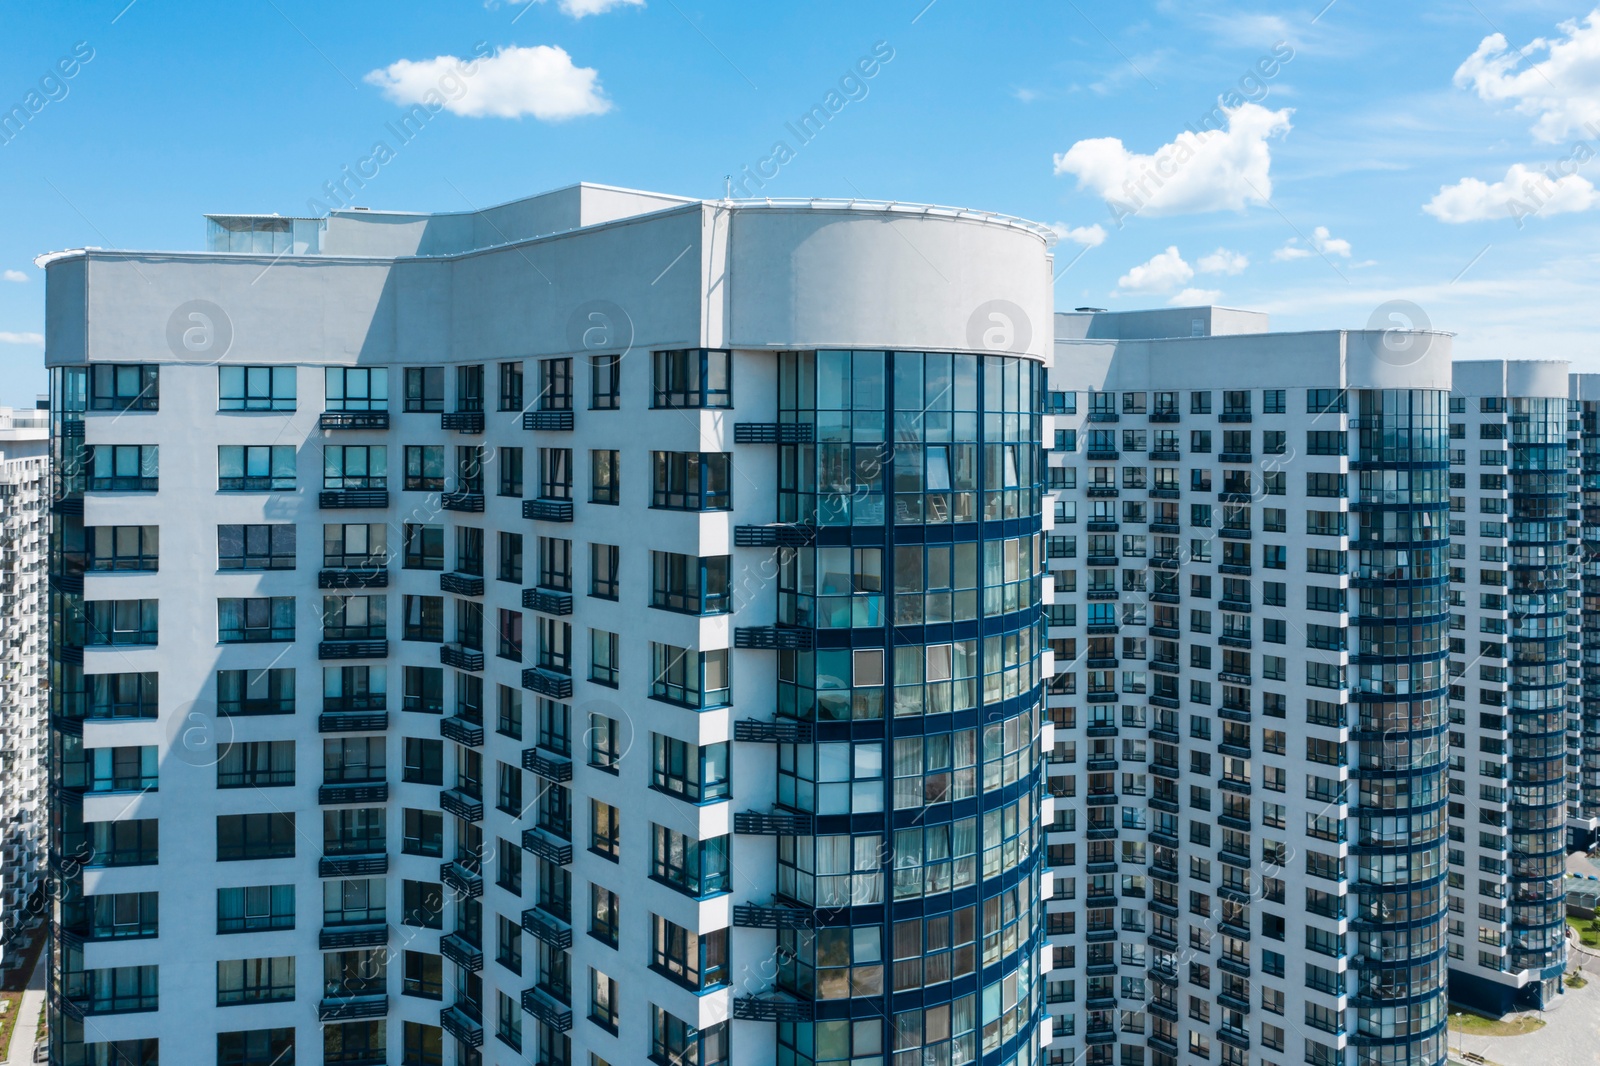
692,679
691,481
255,468
693,377
690,584
357,389
424,388
255,388
124,467
124,387
605,382
694,772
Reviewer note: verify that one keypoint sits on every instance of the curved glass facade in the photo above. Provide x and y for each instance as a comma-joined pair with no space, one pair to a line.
918,479
1537,587
1400,468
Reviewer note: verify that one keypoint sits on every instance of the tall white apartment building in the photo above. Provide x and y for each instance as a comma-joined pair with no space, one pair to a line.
1248,558
1508,682
24,647
600,629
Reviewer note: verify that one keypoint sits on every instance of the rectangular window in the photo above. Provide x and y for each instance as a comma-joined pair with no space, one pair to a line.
510,460
357,389
424,618
603,562
257,764
605,830
423,976
510,635
603,656
605,382
124,387
1273,402
695,377
125,547
247,692
255,981
698,962
256,1047
605,743
604,483
355,466
424,468
263,547
691,481
510,560
246,910
124,467
119,622
255,468
256,388
692,679
689,584
697,868
255,836
510,386
355,617
255,619
555,473
469,388
424,388
555,384
424,689
424,547
1325,401
355,546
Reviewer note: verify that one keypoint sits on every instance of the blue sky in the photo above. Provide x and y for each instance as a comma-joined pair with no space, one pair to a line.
1319,201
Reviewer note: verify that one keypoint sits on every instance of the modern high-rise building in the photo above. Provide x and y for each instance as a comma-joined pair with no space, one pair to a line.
602,628
1583,610
1508,682
1248,562
24,645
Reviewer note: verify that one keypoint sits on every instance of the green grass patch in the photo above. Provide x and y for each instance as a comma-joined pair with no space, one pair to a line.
1478,1025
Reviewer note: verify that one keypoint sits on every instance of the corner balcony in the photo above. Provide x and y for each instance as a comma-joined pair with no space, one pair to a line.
783,638
353,722
772,916
456,802
773,1007
774,535
374,864
467,502
773,433
778,731
458,1021
462,731
772,823
547,683
353,792
549,767
461,951
352,649
461,584
547,846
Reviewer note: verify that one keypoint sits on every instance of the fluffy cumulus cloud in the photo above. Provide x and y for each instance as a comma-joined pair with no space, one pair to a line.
1321,243
16,276
35,339
1523,193
1222,261
541,81
1555,81
1217,170
1196,298
1088,236
1162,272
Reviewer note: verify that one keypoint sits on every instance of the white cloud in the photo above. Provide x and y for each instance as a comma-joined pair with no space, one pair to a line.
1224,170
579,8
540,81
1321,242
1088,236
1026,96
14,275
1561,91
1524,192
1196,298
1222,261
35,339
1163,272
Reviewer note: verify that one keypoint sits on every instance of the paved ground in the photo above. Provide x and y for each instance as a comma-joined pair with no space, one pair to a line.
1571,1035
27,1032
